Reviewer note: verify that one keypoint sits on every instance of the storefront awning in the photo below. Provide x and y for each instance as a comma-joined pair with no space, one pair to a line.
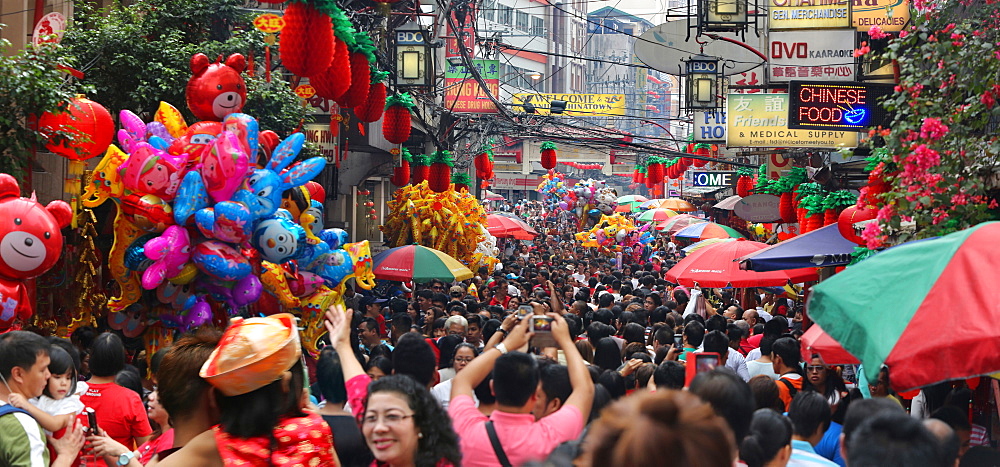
822,247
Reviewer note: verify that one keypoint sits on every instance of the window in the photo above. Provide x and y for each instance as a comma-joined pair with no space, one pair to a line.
522,21
537,26
489,9
505,14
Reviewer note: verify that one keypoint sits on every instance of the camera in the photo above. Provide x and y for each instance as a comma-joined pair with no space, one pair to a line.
541,324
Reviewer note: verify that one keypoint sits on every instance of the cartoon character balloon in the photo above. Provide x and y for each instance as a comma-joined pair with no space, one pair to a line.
30,244
216,89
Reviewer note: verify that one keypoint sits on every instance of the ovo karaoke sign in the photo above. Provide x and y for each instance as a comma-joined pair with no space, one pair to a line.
831,106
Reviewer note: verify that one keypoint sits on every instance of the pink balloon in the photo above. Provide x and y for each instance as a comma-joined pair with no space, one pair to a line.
169,252
224,167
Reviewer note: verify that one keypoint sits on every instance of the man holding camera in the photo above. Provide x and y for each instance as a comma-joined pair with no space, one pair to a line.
511,431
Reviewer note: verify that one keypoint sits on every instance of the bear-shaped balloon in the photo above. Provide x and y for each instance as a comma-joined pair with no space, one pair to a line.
30,244
216,89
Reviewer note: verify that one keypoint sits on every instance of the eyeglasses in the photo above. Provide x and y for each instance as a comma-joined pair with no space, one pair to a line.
815,368
438,287
463,359
387,419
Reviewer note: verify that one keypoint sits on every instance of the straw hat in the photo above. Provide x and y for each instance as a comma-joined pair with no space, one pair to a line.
253,353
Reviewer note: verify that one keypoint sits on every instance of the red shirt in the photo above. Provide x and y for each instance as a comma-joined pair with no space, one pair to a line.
504,303
120,412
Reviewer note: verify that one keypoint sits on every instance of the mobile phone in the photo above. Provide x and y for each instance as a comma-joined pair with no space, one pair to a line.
541,326
524,311
678,339
92,420
699,362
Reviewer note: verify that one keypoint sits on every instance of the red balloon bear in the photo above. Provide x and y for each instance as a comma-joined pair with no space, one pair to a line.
30,244
217,89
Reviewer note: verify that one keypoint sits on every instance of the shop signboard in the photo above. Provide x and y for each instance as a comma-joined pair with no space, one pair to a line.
577,105
758,208
818,55
850,106
809,14
463,94
713,178
710,127
761,120
888,15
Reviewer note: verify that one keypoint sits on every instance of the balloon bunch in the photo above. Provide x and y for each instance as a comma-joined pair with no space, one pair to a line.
450,221
589,198
552,187
615,233
206,211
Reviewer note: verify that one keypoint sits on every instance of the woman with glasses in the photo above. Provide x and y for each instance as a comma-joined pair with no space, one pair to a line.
827,382
464,353
402,423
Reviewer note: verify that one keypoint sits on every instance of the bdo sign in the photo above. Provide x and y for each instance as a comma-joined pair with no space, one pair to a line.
713,179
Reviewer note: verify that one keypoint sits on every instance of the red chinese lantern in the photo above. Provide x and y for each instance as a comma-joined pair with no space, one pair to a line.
362,56
704,150
643,171
549,155
849,216
462,181
306,44
481,162
371,109
83,119
401,174
439,176
396,122
333,83
744,186
655,172
419,169
786,209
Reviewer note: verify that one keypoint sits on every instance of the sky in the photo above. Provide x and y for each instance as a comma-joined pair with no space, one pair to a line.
651,10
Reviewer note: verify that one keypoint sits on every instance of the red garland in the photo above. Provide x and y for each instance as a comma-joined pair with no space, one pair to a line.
371,110
306,45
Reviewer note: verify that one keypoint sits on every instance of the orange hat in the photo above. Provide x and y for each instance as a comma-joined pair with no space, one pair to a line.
253,353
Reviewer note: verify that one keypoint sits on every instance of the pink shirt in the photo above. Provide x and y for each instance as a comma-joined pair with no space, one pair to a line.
523,439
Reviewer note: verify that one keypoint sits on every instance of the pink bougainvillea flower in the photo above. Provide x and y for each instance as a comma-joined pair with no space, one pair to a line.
932,129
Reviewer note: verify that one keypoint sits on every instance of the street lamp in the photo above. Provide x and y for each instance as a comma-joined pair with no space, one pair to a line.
702,75
413,62
722,15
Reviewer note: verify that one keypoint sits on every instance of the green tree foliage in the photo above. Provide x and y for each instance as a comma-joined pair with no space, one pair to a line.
30,85
942,151
138,55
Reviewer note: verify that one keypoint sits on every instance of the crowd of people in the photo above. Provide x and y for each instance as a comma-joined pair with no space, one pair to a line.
558,357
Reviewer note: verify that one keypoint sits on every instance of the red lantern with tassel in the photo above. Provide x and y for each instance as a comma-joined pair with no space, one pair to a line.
786,209
83,119
396,122
439,176
374,105
548,155
419,169
849,216
306,44
462,181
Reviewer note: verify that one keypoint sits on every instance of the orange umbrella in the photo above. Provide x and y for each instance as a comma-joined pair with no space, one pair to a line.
676,204
501,226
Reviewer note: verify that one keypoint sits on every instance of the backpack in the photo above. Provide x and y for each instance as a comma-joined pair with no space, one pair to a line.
7,408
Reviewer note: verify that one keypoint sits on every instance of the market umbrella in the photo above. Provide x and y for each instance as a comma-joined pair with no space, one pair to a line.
501,226
491,196
816,341
630,203
676,204
703,243
678,222
819,248
656,215
928,310
729,203
653,203
418,264
716,266
705,230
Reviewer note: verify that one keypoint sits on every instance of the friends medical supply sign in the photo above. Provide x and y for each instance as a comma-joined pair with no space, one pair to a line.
761,120
837,106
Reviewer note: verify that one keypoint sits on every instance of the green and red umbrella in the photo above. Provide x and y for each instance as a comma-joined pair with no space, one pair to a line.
928,309
418,264
630,203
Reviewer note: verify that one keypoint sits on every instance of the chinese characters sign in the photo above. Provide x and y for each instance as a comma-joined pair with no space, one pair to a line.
820,55
836,106
464,95
761,120
580,105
